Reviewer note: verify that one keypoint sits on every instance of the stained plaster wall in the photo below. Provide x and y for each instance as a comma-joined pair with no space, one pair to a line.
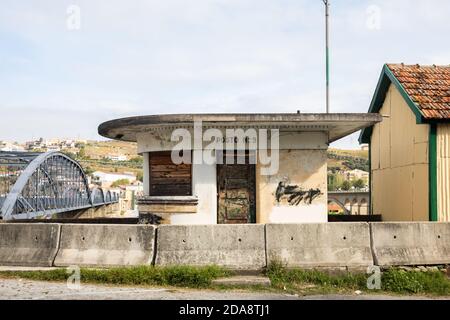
302,163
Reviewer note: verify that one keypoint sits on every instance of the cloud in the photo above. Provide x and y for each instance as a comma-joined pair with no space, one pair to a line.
145,57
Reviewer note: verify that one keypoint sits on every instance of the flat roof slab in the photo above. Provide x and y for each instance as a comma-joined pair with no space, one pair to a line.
337,125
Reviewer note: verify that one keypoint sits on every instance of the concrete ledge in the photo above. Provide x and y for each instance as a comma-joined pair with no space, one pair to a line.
231,246
172,204
411,243
330,245
243,281
20,269
106,245
26,244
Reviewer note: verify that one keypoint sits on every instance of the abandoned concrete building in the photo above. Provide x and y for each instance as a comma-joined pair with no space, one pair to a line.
410,148
235,168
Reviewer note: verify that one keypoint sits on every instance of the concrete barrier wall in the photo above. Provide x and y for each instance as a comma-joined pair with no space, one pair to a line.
230,246
411,243
106,245
245,247
319,245
23,244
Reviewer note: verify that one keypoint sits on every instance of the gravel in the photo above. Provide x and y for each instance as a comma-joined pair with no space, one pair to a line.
20,289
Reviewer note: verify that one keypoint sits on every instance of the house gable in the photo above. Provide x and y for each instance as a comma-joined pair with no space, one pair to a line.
386,79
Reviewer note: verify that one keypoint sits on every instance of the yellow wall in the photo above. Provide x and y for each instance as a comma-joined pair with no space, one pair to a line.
443,172
399,160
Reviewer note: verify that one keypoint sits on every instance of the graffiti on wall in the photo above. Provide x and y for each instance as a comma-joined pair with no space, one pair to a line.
295,194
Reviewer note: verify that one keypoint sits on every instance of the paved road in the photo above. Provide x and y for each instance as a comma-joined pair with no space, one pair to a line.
39,290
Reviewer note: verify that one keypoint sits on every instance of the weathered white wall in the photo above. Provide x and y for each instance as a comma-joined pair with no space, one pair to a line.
146,174
302,162
160,140
304,168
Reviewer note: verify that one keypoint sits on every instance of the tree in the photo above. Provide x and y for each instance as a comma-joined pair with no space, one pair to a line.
346,185
120,182
331,182
335,181
137,160
81,153
69,154
359,184
88,170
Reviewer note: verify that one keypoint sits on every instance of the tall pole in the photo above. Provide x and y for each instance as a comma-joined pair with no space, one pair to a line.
327,53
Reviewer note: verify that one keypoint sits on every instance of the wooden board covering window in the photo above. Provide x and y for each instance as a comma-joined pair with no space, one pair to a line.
236,191
167,178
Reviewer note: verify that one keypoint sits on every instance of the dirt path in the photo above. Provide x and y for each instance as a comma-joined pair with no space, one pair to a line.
39,290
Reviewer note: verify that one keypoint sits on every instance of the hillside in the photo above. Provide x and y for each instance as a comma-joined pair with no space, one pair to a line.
100,149
348,159
93,156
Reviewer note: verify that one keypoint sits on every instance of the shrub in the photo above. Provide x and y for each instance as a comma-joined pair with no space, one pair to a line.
185,276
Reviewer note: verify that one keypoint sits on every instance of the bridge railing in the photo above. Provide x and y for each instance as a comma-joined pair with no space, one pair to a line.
42,184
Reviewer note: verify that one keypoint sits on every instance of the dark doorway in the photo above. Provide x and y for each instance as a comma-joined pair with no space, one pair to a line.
236,192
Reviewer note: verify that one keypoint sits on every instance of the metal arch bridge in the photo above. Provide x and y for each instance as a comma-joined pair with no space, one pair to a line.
41,185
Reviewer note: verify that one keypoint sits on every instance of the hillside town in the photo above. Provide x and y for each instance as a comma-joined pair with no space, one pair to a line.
109,169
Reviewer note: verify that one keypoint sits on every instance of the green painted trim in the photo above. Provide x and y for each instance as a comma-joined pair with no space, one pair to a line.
380,91
432,173
414,108
328,66
370,180
386,79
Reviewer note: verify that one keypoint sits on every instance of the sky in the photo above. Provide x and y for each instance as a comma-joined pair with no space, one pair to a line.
67,66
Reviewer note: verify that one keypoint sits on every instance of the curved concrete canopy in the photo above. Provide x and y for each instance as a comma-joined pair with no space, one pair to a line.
337,125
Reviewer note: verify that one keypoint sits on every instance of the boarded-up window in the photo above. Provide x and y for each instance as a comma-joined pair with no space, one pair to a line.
167,178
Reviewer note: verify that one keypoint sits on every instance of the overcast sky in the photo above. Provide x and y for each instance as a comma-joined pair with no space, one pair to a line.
62,77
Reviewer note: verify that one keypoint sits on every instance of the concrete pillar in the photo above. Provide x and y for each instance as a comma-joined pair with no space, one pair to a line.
146,174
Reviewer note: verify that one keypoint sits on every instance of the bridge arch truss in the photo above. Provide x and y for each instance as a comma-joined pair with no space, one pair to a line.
36,185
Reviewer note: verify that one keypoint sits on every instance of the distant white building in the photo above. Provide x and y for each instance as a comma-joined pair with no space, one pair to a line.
36,144
106,179
357,174
8,146
53,148
128,198
365,147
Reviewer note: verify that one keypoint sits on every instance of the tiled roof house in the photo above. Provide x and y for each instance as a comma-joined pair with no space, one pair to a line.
410,148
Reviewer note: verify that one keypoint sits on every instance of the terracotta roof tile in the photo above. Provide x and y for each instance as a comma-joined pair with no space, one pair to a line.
428,87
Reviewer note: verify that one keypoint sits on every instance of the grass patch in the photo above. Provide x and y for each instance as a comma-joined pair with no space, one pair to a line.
392,281
181,276
295,280
413,282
